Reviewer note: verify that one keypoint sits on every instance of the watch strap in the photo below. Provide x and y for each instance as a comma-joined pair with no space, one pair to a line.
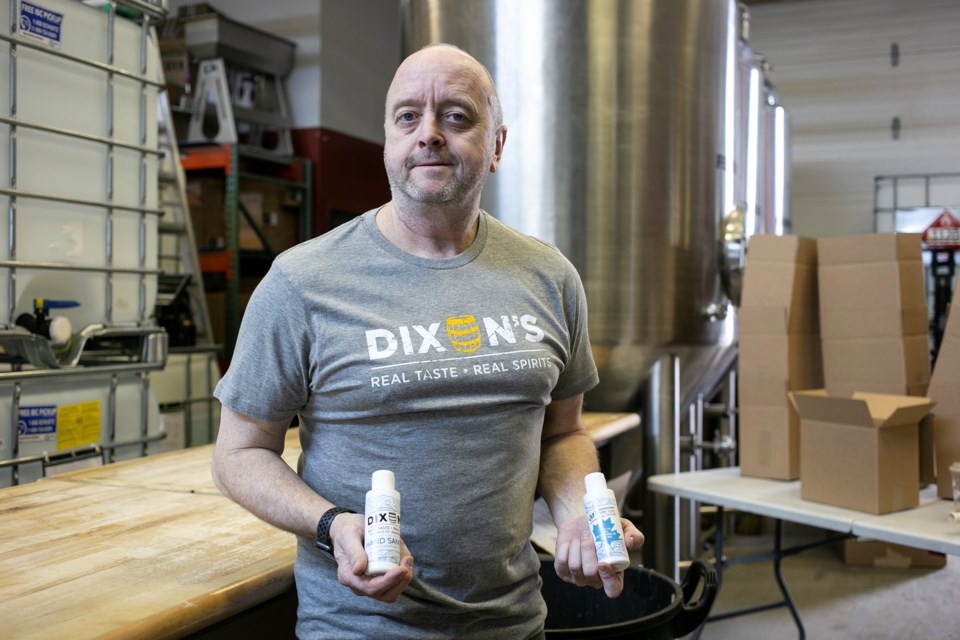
324,543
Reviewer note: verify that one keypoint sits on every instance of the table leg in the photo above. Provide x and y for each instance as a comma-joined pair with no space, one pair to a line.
777,555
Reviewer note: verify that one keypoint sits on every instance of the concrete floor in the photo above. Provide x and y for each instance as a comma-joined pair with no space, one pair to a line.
835,600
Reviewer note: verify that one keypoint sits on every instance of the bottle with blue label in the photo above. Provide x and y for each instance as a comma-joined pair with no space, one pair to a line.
382,533
604,518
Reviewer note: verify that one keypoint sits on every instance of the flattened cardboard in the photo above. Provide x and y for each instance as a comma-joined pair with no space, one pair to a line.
873,247
897,285
886,555
790,249
769,442
779,351
791,358
945,389
860,452
873,322
873,364
873,314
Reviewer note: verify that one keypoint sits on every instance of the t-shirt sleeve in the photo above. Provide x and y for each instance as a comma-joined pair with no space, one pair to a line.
268,376
580,373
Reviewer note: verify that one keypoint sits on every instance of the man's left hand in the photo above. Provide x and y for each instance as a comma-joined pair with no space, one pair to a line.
576,556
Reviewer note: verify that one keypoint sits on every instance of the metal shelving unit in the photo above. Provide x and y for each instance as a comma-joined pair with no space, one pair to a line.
243,165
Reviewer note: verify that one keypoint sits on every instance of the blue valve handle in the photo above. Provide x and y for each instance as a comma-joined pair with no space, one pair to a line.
43,305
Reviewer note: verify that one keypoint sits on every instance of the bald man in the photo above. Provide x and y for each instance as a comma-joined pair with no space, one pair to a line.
427,338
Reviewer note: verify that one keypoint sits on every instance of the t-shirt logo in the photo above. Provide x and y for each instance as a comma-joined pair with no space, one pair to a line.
464,333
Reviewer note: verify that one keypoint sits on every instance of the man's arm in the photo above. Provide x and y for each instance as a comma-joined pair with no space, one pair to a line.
248,469
567,455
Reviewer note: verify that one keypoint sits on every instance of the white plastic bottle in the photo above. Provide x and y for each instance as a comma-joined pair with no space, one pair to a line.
604,518
382,534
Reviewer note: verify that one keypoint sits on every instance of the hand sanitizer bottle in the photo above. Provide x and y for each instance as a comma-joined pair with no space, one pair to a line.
604,519
382,534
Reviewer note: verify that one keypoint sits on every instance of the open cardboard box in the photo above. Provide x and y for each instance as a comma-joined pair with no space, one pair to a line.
860,452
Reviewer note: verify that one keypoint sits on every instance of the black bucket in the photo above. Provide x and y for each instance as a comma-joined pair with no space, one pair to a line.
651,606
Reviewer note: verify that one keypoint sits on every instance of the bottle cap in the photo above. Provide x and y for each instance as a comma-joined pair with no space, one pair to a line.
383,480
595,482
60,330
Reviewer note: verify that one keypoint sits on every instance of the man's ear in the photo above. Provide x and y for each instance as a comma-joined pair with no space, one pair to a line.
500,140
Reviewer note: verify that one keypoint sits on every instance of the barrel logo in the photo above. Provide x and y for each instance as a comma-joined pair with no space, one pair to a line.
464,333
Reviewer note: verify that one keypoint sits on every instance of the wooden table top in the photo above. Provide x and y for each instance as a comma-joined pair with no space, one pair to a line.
146,548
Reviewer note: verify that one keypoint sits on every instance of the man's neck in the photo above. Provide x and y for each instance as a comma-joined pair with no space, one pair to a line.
429,231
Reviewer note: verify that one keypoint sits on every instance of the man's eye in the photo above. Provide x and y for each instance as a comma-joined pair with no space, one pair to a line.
457,117
407,116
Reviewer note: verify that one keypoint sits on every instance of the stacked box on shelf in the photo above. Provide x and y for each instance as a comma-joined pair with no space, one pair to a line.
945,391
779,351
873,314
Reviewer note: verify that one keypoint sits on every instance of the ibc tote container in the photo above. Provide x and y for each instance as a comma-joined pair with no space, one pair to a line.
83,213
78,219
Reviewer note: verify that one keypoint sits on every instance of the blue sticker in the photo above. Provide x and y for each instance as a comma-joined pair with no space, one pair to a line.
38,422
40,24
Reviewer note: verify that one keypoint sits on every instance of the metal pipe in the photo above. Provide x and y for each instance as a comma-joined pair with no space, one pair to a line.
27,264
16,193
83,61
661,454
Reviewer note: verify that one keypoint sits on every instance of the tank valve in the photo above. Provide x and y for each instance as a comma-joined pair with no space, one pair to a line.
716,311
58,328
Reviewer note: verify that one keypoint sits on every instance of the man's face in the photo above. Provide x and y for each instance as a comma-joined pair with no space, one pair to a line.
440,142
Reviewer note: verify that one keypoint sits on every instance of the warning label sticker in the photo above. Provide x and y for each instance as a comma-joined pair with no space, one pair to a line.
70,426
78,424
40,24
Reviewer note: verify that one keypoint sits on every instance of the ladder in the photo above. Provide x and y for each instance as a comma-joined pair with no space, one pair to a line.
179,262
185,388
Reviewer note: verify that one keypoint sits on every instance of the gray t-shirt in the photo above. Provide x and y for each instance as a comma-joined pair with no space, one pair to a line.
438,370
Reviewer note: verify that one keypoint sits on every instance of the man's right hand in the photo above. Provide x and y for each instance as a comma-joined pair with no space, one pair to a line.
346,532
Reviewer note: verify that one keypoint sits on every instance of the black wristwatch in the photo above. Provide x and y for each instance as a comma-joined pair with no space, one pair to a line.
324,543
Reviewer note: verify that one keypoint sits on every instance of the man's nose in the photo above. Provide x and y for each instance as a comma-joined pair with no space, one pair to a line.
430,134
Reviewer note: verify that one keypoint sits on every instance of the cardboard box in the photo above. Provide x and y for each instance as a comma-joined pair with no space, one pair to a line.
770,445
860,452
945,391
873,314
779,351
276,220
886,555
205,195
896,365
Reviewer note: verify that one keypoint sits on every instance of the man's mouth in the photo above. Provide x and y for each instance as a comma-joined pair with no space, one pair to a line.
431,162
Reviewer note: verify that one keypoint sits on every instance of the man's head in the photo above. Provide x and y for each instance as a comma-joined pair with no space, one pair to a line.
443,128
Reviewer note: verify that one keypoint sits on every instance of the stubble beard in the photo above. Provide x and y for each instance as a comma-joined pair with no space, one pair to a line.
459,190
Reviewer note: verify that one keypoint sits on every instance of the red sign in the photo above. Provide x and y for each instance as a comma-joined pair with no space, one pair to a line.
944,233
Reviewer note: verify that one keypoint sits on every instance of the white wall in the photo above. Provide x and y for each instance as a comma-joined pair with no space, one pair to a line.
294,20
831,64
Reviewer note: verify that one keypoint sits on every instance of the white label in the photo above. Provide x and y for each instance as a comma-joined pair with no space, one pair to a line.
382,535
605,526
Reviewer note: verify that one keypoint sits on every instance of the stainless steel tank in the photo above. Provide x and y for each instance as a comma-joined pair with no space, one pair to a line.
775,163
762,186
620,151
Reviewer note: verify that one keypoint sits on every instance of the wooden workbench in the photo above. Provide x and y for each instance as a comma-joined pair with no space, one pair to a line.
146,548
